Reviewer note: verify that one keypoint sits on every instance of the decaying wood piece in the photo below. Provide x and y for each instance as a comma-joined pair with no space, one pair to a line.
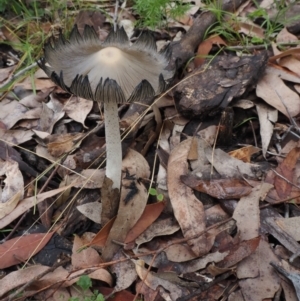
211,87
184,49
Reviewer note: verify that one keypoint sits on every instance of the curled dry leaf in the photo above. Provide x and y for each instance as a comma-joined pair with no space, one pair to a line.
87,257
152,280
218,188
48,118
160,227
188,210
283,73
291,63
251,29
205,47
27,204
78,108
267,118
13,190
82,258
244,153
273,90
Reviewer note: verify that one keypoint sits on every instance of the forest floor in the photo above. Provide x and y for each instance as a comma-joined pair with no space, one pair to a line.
208,206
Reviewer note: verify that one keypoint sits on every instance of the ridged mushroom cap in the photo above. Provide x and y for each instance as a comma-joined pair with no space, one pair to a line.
112,70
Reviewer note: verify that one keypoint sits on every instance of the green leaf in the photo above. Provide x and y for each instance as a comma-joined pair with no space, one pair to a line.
84,282
100,297
160,197
152,191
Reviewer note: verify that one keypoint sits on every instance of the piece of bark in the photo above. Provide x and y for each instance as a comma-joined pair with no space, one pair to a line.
209,89
184,49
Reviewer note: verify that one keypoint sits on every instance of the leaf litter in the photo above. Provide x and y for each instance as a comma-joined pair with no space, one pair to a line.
223,208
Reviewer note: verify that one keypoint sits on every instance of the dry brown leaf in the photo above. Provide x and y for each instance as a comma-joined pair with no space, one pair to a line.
150,214
82,258
27,204
266,282
236,296
56,294
153,281
244,153
218,188
290,225
273,90
179,253
286,170
6,107
190,212
48,118
60,144
88,178
239,252
10,205
86,257
247,214
135,164
291,63
284,36
13,190
100,238
92,211
118,296
251,29
164,226
283,73
17,278
42,151
78,109
15,137
201,263
39,84
133,195
125,272
267,118
205,47
5,74
227,166
19,249
292,51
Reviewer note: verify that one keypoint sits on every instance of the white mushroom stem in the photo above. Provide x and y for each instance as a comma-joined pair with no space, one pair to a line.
113,143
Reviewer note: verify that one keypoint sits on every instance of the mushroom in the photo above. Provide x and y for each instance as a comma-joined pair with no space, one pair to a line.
111,72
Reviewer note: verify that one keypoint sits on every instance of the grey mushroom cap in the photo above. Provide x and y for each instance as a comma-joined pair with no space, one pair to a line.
112,70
